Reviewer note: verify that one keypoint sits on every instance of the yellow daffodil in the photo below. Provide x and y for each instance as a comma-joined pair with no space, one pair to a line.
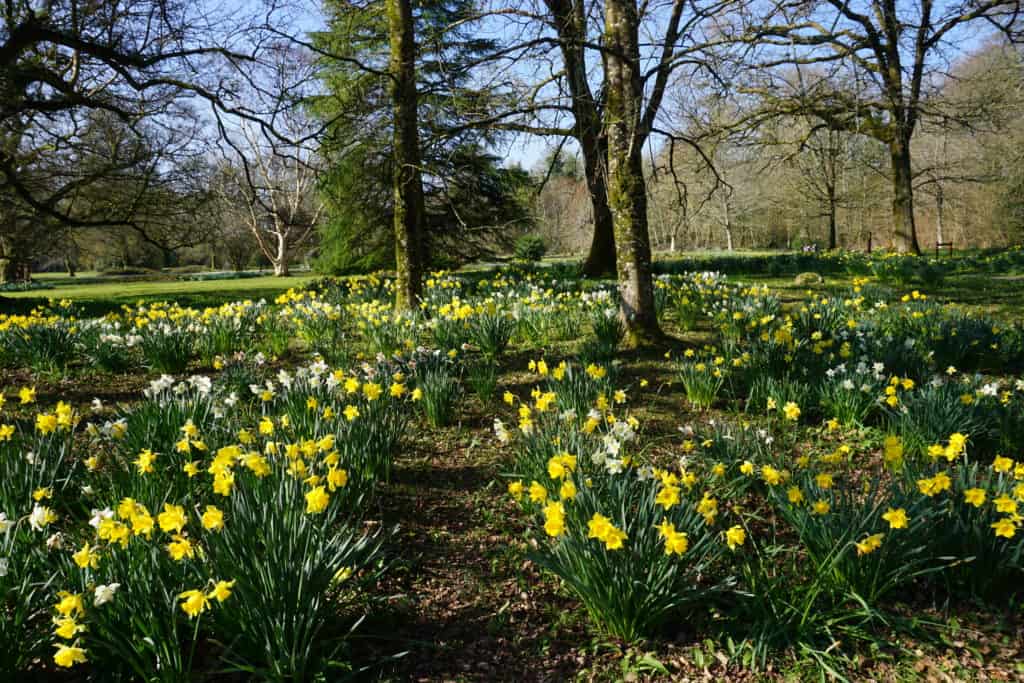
317,500
194,602
735,536
869,544
221,591
975,497
897,518
69,655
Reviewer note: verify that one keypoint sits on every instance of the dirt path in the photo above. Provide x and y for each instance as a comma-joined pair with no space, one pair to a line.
466,605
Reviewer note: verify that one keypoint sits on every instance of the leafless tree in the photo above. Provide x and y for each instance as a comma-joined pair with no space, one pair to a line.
274,183
897,50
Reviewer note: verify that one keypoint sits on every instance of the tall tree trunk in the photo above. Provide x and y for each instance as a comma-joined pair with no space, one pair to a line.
627,195
727,214
407,180
833,235
601,258
939,205
280,260
571,26
904,231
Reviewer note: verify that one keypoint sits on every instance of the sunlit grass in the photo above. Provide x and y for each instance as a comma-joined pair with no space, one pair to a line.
97,297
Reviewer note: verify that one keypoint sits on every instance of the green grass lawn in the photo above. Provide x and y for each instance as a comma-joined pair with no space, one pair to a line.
1001,296
64,277
998,296
97,298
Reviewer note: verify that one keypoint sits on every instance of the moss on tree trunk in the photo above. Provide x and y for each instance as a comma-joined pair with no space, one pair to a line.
627,194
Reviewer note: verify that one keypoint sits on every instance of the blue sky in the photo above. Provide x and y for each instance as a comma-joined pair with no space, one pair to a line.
528,150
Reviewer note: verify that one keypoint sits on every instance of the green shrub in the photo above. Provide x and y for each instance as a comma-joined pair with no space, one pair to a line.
530,248
120,272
